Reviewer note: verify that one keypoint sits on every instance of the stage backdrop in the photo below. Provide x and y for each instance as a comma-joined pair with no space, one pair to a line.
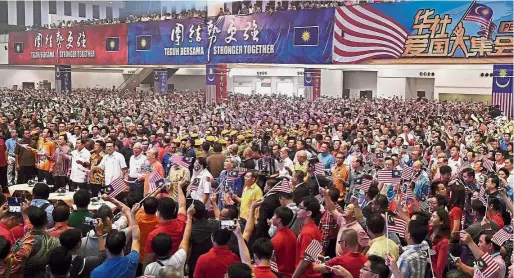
91,45
424,32
288,37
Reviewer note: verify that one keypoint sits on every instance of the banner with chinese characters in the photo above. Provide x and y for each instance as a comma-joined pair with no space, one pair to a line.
424,32
160,81
63,78
82,45
286,37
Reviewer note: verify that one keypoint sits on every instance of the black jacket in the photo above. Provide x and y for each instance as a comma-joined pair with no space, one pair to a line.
301,191
266,212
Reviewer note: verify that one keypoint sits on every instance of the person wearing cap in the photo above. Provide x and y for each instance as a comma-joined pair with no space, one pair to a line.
241,145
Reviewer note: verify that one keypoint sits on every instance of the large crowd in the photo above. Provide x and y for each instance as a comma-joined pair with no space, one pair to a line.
106,183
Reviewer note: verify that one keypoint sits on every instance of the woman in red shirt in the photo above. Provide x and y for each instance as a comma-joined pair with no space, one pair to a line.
456,204
439,235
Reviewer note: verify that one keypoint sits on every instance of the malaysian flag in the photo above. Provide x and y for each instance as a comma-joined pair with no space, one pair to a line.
407,173
273,263
395,225
318,169
486,266
282,186
182,161
236,174
155,180
192,186
503,235
482,197
314,250
502,88
362,33
116,187
210,82
389,176
409,195
362,184
483,15
488,164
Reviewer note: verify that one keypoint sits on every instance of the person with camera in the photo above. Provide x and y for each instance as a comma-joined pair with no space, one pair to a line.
81,267
267,166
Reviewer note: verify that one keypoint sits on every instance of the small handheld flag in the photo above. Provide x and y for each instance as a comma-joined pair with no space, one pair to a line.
155,180
116,187
389,176
503,235
486,266
407,173
396,225
193,186
314,250
181,161
362,184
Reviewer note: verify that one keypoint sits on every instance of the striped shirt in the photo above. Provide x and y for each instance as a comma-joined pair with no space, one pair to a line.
62,161
412,262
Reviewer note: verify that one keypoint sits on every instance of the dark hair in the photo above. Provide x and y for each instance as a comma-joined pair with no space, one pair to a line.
495,203
221,236
495,180
41,191
161,244
378,266
382,201
5,247
115,241
70,238
61,213
376,223
206,146
422,216
3,199
167,208
232,211
372,192
478,207
434,187
104,212
507,173
150,205
216,147
263,248
82,198
445,170
299,175
199,209
311,204
285,214
285,195
458,196
59,261
488,239
442,202
37,217
333,193
417,231
239,270
133,198
444,230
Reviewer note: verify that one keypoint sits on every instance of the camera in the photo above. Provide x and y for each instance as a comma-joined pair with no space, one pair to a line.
228,224
90,221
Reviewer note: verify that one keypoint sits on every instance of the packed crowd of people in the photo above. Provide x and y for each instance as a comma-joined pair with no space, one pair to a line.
254,186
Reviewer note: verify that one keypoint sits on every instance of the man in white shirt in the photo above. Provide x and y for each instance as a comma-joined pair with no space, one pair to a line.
136,174
455,161
203,180
113,164
79,163
285,162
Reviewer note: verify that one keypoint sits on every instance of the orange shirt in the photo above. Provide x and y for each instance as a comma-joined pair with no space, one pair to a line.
146,223
45,152
340,174
156,167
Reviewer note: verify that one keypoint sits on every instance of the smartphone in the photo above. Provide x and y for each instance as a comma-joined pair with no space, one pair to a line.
14,204
90,221
228,224
452,258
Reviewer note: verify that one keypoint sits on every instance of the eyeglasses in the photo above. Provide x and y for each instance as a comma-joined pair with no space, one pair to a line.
365,269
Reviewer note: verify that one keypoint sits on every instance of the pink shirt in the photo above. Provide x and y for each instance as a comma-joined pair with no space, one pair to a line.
363,236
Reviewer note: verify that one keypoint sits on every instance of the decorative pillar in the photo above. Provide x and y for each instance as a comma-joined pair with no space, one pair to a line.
63,78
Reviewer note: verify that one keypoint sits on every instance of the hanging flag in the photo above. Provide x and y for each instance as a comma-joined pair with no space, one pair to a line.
314,250
116,187
502,88
396,225
503,235
155,181
362,184
389,176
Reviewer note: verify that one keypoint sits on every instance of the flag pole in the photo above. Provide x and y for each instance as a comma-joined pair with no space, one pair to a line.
465,14
387,233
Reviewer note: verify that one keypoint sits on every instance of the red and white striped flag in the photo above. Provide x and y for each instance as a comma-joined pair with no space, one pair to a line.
488,164
236,174
486,266
389,176
154,180
409,195
503,235
396,225
314,250
318,169
282,186
362,33
181,160
407,173
116,187
192,186
482,196
273,263
362,184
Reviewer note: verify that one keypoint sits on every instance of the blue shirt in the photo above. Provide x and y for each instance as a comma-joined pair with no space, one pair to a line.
10,144
49,209
118,267
327,160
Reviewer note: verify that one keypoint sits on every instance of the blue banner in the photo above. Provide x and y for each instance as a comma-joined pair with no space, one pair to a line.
161,80
424,32
286,37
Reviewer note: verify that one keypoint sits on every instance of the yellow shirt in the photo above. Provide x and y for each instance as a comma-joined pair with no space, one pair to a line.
378,246
251,194
299,167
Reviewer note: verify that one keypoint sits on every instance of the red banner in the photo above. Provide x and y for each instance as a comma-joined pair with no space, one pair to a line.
82,45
